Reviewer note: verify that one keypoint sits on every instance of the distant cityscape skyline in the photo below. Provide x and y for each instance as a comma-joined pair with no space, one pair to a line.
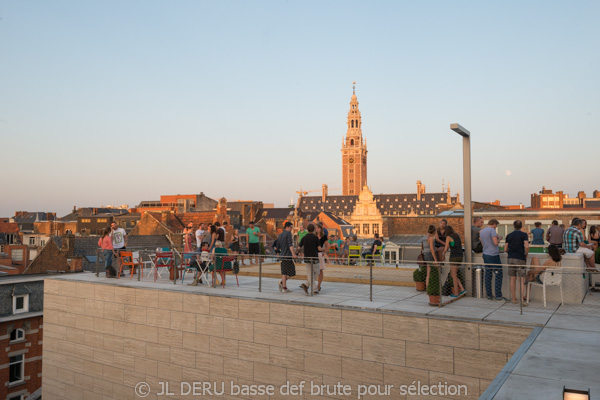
112,103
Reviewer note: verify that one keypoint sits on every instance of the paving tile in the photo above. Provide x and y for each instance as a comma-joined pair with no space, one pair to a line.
409,307
463,312
528,317
575,322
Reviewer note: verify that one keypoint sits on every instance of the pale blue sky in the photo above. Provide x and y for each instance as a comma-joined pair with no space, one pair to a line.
111,102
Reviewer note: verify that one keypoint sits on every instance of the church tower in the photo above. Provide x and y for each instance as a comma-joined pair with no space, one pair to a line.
354,152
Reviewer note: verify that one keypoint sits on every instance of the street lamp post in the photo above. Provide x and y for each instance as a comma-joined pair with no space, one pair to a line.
467,189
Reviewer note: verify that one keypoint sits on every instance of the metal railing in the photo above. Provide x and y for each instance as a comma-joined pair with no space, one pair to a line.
575,280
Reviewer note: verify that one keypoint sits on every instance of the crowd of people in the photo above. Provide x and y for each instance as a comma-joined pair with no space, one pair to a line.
486,240
517,246
317,248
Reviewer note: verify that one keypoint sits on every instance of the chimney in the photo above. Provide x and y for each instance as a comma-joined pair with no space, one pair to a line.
164,217
74,208
68,244
324,196
596,194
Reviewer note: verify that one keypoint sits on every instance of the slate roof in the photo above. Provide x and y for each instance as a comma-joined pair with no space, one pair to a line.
89,211
406,239
31,217
276,213
337,220
388,204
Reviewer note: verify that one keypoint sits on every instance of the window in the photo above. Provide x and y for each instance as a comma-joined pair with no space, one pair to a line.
351,171
102,220
17,254
85,220
42,243
375,228
365,229
31,240
16,368
16,397
20,303
17,334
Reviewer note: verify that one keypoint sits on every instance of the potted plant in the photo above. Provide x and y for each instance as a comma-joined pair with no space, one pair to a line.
419,276
433,288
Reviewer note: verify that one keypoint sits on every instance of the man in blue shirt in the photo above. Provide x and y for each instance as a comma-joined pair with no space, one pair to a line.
491,258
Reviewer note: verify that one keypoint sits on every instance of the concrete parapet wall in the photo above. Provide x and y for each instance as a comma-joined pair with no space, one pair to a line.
100,341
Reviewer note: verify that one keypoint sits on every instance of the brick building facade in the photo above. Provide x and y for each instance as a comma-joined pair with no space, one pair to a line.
21,303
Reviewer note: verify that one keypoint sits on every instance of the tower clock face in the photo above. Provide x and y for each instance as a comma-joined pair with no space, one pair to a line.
351,160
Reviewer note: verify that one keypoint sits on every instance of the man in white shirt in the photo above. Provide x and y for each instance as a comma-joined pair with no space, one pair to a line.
118,236
199,236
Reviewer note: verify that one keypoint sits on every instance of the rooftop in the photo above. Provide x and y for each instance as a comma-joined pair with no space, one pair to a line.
561,350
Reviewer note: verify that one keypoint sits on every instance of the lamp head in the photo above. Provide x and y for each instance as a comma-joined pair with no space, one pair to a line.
460,130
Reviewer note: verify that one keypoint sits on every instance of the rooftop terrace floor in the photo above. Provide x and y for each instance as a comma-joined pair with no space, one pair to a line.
564,349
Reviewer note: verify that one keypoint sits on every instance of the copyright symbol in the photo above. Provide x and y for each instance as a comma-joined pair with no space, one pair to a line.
142,389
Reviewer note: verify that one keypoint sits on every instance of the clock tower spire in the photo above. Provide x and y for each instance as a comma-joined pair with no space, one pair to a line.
354,152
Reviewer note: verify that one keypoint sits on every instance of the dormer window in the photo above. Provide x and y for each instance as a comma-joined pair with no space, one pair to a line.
16,335
20,303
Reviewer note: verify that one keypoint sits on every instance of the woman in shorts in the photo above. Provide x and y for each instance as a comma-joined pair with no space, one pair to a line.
454,243
428,247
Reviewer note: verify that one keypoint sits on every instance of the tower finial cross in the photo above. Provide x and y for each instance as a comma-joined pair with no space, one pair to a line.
353,87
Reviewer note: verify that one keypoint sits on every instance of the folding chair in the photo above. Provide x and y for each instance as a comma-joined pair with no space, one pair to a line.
354,252
160,260
131,260
186,263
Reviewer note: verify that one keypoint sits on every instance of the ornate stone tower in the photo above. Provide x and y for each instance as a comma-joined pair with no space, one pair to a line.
354,152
